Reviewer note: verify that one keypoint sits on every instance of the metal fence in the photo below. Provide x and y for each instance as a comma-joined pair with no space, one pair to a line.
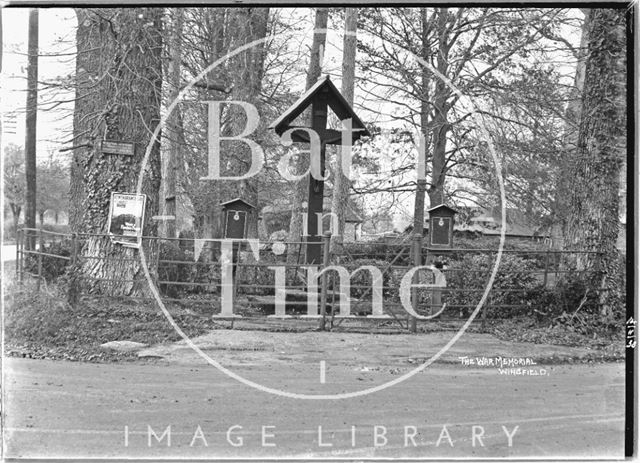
188,271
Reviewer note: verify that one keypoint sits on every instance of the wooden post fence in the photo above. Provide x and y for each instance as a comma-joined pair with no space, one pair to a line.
40,251
72,294
416,259
326,261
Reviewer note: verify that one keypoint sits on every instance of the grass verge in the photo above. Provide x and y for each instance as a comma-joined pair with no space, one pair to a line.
607,345
42,325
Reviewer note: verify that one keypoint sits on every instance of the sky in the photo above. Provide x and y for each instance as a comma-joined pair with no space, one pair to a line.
57,34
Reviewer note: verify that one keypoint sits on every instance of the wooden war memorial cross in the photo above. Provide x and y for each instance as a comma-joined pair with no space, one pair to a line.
323,95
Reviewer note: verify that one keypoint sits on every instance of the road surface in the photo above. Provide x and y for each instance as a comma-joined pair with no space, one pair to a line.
65,409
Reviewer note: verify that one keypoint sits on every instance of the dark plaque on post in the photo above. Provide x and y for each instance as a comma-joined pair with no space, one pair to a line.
235,218
441,226
122,148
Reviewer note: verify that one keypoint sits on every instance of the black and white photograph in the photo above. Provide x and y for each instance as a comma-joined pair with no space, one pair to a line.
125,218
318,231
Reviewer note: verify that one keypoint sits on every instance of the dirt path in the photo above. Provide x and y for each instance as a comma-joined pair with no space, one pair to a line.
251,347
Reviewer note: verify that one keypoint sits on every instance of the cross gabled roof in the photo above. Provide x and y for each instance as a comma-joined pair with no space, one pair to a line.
335,101
442,206
237,200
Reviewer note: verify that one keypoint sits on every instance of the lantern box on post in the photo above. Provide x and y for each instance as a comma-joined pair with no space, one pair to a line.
441,219
235,214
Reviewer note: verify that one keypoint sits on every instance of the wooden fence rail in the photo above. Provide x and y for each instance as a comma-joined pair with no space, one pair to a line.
199,281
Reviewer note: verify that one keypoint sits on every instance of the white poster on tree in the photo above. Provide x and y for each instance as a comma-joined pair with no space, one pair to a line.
126,216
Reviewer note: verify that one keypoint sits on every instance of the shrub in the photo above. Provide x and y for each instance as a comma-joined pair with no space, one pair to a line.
361,281
515,283
186,240
34,316
279,235
8,231
172,271
574,305
377,250
57,228
52,267
177,265
260,279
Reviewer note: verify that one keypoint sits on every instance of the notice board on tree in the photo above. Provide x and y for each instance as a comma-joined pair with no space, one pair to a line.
118,147
126,216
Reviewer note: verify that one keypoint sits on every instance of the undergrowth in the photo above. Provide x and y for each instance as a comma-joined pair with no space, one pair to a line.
42,324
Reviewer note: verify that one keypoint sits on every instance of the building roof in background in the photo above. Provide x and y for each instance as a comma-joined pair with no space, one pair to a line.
489,222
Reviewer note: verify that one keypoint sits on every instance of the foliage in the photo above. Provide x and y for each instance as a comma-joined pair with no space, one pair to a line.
259,75
361,281
574,305
528,136
254,277
514,283
515,89
606,346
52,192
42,325
186,242
10,231
52,267
176,264
277,220
493,242
172,270
378,250
14,179
34,315
278,235
52,180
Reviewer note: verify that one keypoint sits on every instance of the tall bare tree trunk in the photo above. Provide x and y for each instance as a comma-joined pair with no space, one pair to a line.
30,133
593,223
342,183
246,70
572,118
418,209
172,135
15,211
207,202
77,190
1,50
250,69
119,91
441,107
302,187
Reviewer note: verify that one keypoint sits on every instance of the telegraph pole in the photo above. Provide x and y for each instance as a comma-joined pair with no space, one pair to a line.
30,136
